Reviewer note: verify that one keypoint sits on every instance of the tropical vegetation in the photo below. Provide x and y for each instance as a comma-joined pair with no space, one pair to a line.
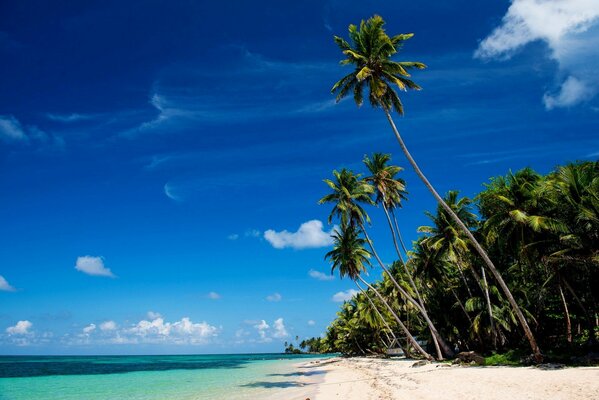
370,50
542,230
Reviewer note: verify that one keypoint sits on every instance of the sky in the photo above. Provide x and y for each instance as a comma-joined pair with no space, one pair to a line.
161,162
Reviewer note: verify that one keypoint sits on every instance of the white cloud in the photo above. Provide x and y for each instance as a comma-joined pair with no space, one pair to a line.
309,235
279,329
233,236
320,275
274,297
180,332
213,296
569,28
5,286
21,328
311,322
73,117
262,328
153,315
92,266
252,233
108,326
340,297
170,192
11,129
89,329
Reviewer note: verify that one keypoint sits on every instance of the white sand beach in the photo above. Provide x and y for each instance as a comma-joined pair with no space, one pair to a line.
378,379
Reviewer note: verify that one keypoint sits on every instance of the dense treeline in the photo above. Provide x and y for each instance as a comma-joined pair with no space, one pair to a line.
542,233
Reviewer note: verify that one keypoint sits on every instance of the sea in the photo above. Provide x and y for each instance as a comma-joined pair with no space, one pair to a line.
173,377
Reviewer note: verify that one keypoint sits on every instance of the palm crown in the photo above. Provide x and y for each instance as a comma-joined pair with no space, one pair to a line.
370,52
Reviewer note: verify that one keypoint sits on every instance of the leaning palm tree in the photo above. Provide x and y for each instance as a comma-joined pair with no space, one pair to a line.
370,52
348,192
351,259
390,190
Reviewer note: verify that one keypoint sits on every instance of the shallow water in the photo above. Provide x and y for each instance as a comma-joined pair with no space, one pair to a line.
239,376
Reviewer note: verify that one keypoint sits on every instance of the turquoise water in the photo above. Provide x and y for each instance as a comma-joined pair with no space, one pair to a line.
147,377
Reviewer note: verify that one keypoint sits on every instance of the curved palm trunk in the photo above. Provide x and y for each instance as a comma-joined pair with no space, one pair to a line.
567,313
403,245
375,308
434,333
489,308
440,341
527,331
401,324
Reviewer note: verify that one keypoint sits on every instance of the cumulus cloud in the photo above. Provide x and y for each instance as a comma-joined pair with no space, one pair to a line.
108,326
274,297
279,329
153,315
569,28
267,332
154,330
262,328
320,275
213,296
340,297
92,266
5,286
311,322
183,331
309,235
21,328
89,329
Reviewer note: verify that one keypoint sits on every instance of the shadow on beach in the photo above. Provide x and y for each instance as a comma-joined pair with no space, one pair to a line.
273,385
308,373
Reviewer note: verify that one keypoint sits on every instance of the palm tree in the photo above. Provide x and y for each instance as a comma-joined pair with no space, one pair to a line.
447,241
351,259
390,190
370,52
348,191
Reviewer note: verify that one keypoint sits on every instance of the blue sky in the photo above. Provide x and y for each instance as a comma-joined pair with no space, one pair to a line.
152,154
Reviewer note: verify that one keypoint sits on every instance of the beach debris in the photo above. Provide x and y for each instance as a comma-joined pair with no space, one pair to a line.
550,366
469,357
420,363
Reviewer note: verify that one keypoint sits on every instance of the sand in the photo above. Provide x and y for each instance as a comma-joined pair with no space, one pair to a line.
379,379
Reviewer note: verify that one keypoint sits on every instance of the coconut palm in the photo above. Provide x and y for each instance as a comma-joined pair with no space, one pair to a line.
370,53
351,259
390,190
348,191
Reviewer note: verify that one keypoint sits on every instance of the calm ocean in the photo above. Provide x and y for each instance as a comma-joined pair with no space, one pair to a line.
197,377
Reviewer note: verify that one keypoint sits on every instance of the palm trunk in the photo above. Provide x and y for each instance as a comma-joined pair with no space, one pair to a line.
401,324
527,331
566,312
440,341
403,245
434,334
375,308
489,308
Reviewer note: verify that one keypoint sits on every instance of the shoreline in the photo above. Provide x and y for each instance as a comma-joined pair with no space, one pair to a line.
398,379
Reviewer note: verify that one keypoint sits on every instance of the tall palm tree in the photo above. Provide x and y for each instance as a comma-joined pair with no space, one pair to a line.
447,241
351,259
348,191
370,52
390,190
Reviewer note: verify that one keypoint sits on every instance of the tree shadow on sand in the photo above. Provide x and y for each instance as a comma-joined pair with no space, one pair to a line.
309,373
273,385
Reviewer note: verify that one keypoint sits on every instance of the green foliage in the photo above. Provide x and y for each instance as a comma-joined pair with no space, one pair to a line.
542,231
370,50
